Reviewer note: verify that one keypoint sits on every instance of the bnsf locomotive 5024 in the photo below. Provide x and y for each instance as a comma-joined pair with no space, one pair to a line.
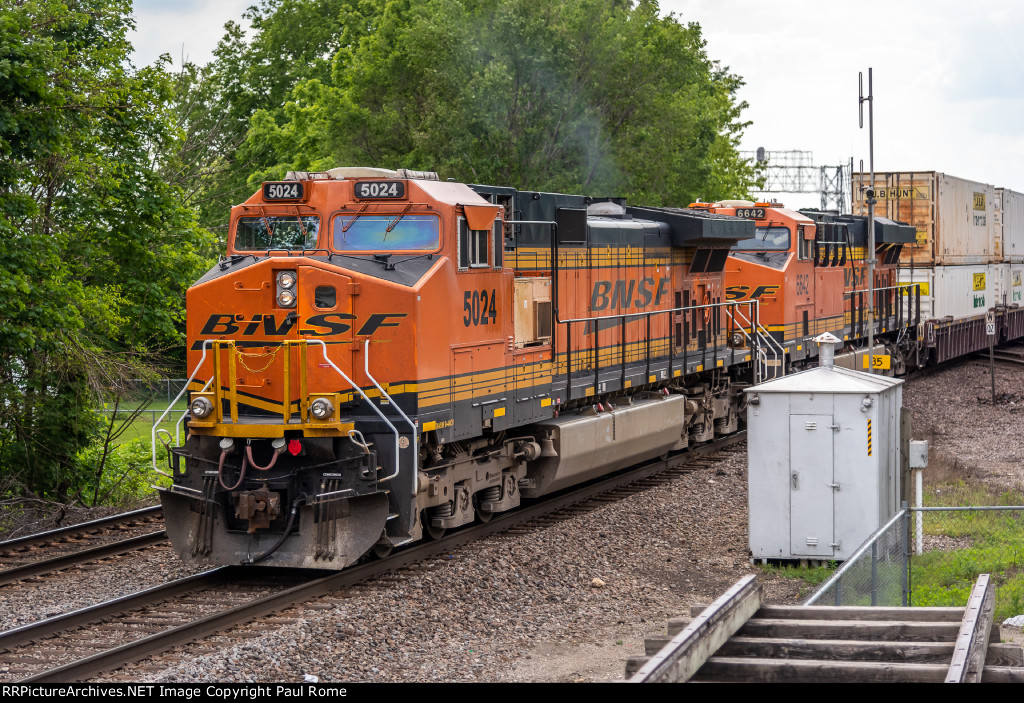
383,356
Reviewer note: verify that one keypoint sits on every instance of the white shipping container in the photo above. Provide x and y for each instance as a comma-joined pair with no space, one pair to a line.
1010,222
954,217
956,291
1000,274
1014,284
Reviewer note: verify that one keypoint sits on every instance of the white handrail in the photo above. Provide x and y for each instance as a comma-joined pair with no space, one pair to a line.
769,343
762,355
152,433
364,397
412,425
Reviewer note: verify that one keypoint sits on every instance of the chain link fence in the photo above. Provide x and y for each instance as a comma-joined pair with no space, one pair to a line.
158,392
142,403
952,546
932,557
877,572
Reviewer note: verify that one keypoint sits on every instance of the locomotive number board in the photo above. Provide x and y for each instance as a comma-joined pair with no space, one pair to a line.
375,190
289,190
751,213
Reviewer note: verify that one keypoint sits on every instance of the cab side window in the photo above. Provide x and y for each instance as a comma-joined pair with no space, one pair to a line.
472,246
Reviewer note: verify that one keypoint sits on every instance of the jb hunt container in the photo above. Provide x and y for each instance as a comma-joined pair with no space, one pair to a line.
954,218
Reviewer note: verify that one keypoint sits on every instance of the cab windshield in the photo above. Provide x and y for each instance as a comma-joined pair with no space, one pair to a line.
386,232
276,232
765,239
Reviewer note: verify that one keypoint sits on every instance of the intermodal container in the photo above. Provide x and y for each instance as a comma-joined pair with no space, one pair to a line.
1009,213
957,291
954,218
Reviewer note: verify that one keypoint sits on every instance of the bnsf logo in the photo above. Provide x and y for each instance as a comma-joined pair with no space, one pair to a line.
315,326
743,292
626,294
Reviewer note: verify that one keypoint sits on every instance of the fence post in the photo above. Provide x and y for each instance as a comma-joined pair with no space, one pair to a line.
907,555
874,573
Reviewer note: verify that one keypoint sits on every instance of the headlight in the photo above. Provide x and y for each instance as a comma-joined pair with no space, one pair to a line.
738,339
286,299
286,279
321,408
201,407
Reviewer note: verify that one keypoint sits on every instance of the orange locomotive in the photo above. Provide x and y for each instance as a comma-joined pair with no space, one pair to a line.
809,271
381,354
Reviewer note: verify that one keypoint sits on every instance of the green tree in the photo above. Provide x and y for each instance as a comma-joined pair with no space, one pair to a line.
289,41
96,248
595,96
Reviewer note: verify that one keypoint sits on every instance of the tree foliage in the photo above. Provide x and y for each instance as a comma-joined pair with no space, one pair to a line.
112,175
96,247
288,41
593,96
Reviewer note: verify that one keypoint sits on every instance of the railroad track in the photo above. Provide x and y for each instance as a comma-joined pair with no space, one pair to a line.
76,646
1012,354
46,552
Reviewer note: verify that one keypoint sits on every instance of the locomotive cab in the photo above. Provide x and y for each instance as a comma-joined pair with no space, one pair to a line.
795,274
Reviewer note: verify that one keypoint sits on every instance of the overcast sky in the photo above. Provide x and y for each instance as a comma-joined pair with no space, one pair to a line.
948,77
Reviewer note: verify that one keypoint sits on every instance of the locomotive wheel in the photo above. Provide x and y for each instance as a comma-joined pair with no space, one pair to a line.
481,514
429,530
382,550
435,532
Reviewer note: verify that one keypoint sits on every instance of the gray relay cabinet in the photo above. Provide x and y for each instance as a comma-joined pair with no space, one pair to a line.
823,462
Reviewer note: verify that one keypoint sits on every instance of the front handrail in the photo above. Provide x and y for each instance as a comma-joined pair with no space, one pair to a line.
359,390
208,343
176,399
412,425
766,341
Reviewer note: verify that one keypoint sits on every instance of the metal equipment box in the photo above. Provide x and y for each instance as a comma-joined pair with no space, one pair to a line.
823,462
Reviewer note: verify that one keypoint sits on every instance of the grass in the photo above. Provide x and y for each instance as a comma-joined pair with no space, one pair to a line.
967,544
141,426
812,576
960,546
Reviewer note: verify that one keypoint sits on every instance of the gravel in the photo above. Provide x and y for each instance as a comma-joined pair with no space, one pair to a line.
969,437
568,602
66,591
